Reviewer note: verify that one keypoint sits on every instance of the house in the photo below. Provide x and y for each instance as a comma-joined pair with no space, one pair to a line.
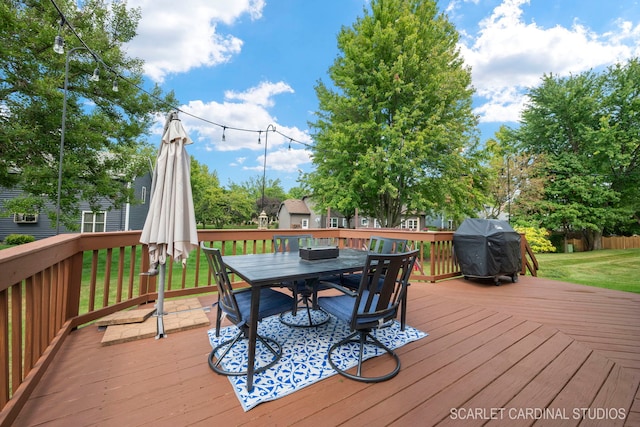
129,217
293,213
301,213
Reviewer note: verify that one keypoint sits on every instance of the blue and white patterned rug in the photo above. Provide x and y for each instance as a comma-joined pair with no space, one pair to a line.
304,356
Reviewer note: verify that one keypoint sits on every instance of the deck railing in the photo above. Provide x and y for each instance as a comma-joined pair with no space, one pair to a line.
52,286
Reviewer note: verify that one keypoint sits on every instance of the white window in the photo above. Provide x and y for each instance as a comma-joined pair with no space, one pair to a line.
22,218
410,223
364,222
143,195
93,222
305,223
333,222
450,224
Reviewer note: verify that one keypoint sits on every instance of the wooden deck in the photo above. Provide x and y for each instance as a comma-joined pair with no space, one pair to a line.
530,353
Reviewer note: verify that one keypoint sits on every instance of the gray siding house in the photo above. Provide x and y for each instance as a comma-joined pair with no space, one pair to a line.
129,217
296,213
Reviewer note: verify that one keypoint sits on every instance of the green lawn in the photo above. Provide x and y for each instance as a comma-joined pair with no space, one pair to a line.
610,268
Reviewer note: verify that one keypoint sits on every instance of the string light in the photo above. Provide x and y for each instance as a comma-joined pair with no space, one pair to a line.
59,48
58,45
96,75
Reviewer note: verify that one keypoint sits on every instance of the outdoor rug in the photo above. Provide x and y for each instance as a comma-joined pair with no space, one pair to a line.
304,356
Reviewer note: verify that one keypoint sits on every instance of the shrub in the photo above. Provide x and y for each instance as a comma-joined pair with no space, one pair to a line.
18,239
537,238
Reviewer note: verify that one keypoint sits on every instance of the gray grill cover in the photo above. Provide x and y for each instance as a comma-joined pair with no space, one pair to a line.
487,247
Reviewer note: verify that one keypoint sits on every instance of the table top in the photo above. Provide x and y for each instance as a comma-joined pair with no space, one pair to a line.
267,269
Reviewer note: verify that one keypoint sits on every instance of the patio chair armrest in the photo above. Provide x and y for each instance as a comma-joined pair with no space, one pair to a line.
339,287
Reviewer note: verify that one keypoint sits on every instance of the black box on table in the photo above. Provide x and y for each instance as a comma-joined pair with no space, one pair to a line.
324,252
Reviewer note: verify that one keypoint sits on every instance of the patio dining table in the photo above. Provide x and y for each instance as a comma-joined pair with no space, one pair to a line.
271,269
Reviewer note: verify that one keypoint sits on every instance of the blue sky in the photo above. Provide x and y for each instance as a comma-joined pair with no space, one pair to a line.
248,64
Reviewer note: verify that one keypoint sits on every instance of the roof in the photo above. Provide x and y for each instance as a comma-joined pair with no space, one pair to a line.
296,206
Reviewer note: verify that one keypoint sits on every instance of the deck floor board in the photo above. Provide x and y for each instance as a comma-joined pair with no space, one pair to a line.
532,344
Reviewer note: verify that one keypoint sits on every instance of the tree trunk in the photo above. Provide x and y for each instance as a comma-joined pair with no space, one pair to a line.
592,239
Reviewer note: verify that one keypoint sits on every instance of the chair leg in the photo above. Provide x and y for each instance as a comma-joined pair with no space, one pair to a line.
294,309
304,299
363,341
306,303
218,320
229,343
403,310
363,338
215,362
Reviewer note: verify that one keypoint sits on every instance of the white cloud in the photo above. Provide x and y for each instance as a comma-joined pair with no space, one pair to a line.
508,56
205,122
177,38
239,161
454,5
260,95
282,160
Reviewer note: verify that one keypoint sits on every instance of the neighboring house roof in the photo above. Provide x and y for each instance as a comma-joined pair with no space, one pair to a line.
296,207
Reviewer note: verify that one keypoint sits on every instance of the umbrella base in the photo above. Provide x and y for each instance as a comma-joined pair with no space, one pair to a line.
161,333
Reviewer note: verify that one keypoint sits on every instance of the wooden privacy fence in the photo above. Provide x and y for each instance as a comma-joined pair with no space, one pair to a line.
621,242
612,242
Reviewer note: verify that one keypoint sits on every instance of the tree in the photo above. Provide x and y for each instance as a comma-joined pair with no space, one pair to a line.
207,195
103,146
296,193
239,207
274,194
395,132
583,132
510,175
213,204
617,140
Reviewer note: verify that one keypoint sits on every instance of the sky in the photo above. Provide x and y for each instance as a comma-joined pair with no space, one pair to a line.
252,65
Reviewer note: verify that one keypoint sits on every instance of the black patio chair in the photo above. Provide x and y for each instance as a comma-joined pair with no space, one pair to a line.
236,306
377,245
304,293
380,245
382,287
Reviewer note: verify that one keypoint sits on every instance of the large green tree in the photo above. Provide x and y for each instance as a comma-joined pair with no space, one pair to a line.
207,195
395,131
104,131
258,186
215,205
584,133
511,177
617,140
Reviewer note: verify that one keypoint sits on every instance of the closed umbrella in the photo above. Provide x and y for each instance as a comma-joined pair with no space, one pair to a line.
170,227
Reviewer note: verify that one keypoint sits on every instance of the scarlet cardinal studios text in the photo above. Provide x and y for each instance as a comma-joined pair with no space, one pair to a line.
537,413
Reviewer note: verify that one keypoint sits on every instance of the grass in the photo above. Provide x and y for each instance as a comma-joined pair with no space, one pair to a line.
617,269
175,271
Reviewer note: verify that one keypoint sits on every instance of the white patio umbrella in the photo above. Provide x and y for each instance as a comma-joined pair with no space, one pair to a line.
170,227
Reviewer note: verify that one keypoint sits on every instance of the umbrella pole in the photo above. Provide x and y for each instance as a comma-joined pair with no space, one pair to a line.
160,304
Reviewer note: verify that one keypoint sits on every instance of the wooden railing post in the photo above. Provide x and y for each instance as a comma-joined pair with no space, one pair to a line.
4,347
73,276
